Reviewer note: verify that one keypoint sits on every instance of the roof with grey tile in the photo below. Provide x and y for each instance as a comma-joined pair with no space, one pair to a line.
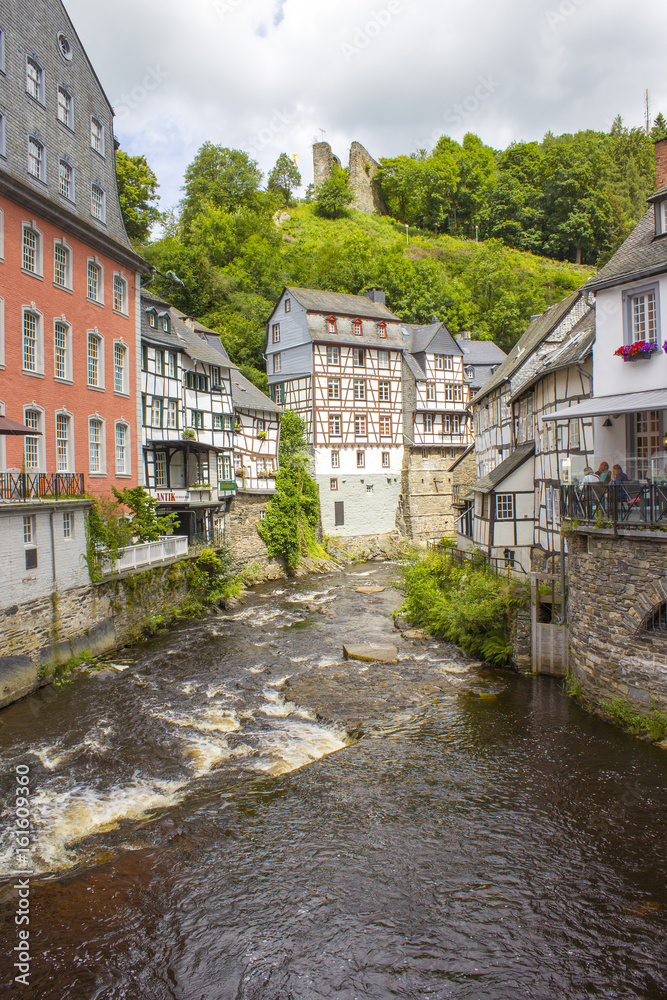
180,336
249,397
480,352
642,255
433,338
338,302
575,349
502,471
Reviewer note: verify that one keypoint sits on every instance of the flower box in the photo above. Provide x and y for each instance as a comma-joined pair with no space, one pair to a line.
638,351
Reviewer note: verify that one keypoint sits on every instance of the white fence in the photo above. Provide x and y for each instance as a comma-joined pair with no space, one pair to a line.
149,554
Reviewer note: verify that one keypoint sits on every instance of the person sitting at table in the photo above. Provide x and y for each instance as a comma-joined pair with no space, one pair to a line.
603,473
618,476
589,476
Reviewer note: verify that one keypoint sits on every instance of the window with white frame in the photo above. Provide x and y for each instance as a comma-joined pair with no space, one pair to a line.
504,506
63,442
65,116
217,421
275,333
68,524
62,265
331,324
333,355
385,459
62,351
449,392
277,362
382,331
171,413
65,180
451,423
31,256
122,450
384,392
383,359
120,368
641,315
334,425
30,540
360,425
34,79
157,408
448,362
160,470
359,388
428,423
430,390
3,135
97,203
152,318
33,420
288,305
94,285
96,456
97,135
361,459
33,343
2,51
356,327
439,362
335,459
173,365
95,360
333,484
385,426
197,419
279,394
358,357
216,381
333,388
36,159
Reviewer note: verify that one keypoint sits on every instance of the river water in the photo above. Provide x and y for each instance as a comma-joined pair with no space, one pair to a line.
231,812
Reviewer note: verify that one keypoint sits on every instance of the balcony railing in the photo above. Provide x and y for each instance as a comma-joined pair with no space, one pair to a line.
459,492
148,554
629,505
40,485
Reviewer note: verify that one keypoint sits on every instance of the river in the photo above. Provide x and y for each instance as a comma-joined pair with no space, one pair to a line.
232,812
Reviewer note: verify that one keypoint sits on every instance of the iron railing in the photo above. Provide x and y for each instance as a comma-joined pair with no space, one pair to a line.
633,505
477,559
41,486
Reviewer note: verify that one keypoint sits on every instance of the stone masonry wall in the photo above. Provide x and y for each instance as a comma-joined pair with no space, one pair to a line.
426,494
241,523
614,584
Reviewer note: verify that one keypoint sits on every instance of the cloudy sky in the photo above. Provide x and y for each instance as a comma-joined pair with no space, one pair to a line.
269,75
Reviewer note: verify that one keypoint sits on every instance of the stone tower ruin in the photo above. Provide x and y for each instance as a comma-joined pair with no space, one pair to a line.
362,169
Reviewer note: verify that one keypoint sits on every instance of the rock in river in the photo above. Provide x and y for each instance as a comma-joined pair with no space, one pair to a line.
371,590
372,654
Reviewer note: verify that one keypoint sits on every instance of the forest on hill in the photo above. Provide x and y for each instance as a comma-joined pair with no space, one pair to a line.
492,238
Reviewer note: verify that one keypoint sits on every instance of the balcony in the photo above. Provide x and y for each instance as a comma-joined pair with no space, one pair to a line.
27,486
625,505
459,494
166,549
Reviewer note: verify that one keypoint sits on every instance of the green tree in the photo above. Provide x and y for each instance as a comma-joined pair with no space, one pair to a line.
145,523
284,178
659,130
137,191
227,178
334,195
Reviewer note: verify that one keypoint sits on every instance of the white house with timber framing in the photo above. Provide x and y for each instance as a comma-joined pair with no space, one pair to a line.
512,510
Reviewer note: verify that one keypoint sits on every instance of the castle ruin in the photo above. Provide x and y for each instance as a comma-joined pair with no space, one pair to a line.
362,170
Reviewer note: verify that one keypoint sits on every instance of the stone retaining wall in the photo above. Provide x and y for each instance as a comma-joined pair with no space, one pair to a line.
614,584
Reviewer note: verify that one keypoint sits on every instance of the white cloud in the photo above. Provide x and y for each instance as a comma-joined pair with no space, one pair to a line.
268,74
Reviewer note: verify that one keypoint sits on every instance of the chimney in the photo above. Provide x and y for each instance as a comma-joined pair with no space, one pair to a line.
464,335
376,295
660,164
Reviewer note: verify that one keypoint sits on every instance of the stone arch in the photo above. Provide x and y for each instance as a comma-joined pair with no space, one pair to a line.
648,603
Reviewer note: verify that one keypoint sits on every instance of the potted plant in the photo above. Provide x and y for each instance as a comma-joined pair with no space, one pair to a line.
635,352
188,434
261,435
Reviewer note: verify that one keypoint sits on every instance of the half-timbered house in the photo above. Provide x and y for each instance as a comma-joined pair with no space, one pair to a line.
188,420
480,360
511,511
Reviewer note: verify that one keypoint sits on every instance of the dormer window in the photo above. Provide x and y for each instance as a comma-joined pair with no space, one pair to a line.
661,217
356,327
165,322
152,318
382,330
331,324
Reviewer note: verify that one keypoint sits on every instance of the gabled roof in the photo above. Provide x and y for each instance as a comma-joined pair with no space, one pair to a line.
338,302
414,366
574,350
248,397
435,336
502,471
643,254
538,331
480,352
180,336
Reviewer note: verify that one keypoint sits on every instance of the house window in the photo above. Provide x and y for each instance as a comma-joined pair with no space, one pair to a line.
94,282
275,333
333,355
193,380
64,107
359,357
642,316
504,506
3,135
64,46
216,382
385,459
331,324
224,468
95,361
360,425
97,206
451,423
384,392
2,51
160,470
32,342
34,80
32,419
361,459
333,388
63,435
359,388
277,363
29,529
335,459
369,488
152,318
197,419
173,370
449,392
156,412
172,413
382,331
430,390
166,323
122,457
333,484
288,305
68,524
97,135
279,394
62,271
65,180
32,250
448,363
356,327
439,362
120,368
334,425
36,159
428,423
119,294
62,351
458,393
144,357
385,426
159,362
96,446
217,421
383,359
